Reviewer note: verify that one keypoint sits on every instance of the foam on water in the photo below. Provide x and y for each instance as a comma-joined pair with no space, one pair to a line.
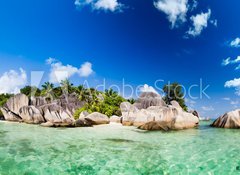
113,149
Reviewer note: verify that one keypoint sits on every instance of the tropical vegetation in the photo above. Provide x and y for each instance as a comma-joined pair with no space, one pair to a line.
174,92
107,102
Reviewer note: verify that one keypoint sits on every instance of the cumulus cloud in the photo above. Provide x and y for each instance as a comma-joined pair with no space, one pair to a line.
207,108
235,43
200,21
106,5
147,88
61,72
12,81
235,83
175,10
85,70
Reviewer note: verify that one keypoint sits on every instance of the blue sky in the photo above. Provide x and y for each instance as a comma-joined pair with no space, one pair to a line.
139,40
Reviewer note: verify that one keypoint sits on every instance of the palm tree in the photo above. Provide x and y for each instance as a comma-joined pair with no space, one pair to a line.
174,91
83,93
131,100
66,86
48,90
110,93
47,85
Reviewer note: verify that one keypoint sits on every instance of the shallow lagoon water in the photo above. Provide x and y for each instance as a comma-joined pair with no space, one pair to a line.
114,149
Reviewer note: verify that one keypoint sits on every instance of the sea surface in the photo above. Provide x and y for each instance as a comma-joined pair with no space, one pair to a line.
114,149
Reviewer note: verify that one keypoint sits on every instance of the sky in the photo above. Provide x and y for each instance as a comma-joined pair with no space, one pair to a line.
143,43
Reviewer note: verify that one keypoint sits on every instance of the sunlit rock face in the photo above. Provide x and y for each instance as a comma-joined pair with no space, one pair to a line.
228,120
147,99
36,111
156,115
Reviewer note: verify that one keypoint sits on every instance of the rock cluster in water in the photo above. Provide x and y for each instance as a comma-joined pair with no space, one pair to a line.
38,110
153,114
148,113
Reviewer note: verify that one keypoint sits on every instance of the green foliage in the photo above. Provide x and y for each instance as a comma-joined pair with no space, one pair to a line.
67,86
131,100
57,92
47,90
3,100
174,92
78,112
109,105
31,91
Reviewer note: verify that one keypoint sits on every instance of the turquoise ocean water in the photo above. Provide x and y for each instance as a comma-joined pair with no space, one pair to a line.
113,149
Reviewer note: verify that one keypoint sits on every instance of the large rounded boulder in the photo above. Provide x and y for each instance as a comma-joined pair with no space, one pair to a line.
228,120
16,102
97,118
10,116
56,114
31,115
147,99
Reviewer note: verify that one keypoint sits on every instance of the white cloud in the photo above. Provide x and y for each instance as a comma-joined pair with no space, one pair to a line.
235,83
228,61
85,70
207,108
146,88
200,21
12,81
111,5
235,43
226,98
106,5
175,10
50,60
61,72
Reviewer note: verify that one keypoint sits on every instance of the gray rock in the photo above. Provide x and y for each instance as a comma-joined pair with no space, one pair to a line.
56,114
83,123
128,113
16,102
172,116
97,118
38,101
148,99
31,115
10,116
195,113
115,119
70,102
175,104
83,115
153,126
228,120
66,123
